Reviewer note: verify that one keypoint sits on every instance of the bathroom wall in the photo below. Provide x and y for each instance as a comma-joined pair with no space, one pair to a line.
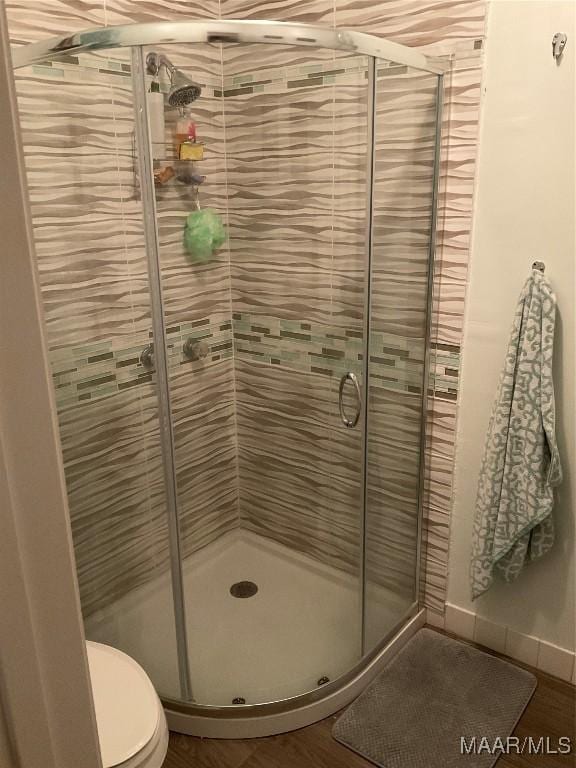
524,212
456,33
47,717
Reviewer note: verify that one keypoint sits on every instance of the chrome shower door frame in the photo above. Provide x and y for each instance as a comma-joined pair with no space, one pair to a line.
223,31
370,169
146,175
166,424
420,544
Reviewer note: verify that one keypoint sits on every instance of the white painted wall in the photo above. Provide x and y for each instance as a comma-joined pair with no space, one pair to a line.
47,717
525,210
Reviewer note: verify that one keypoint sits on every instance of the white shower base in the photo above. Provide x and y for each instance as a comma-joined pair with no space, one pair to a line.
303,624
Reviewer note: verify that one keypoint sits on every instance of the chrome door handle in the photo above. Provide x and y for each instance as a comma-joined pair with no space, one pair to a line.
345,420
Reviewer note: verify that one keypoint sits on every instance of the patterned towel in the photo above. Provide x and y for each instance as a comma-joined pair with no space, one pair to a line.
521,464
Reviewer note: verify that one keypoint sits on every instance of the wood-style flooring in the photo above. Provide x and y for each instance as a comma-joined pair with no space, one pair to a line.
550,713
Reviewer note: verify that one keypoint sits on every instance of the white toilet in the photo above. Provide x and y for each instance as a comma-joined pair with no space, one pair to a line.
131,723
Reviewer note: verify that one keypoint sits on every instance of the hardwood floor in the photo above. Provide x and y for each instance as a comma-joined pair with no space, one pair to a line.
550,713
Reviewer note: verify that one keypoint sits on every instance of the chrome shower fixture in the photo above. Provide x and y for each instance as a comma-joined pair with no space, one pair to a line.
183,91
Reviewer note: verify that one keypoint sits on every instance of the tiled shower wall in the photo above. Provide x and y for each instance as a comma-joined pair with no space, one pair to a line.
296,152
296,134
123,463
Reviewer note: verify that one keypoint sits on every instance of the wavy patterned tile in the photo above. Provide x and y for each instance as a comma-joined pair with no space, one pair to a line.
201,62
393,491
32,20
203,409
438,26
77,200
147,11
270,60
116,535
302,11
291,489
460,129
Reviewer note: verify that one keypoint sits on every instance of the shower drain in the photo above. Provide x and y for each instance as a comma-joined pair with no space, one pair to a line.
243,589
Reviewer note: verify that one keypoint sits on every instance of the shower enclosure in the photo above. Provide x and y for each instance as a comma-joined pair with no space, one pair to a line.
242,433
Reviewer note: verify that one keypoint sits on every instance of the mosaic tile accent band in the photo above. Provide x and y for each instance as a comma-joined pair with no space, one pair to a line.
91,371
395,362
84,67
444,371
87,372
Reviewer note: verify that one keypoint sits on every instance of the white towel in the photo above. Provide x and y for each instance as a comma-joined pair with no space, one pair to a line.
521,464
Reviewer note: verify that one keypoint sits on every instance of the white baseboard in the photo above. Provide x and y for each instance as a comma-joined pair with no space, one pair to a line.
549,658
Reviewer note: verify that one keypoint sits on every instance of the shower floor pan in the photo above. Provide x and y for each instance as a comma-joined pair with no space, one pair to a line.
299,630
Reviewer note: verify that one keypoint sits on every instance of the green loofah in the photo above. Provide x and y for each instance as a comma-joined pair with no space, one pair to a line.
203,234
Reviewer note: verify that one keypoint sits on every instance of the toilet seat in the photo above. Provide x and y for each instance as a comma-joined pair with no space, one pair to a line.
153,754
131,724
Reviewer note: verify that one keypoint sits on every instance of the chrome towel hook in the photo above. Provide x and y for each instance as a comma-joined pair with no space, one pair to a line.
558,45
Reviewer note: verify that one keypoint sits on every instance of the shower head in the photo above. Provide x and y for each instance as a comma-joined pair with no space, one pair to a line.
183,91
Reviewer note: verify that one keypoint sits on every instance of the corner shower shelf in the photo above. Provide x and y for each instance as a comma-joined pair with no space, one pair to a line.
171,169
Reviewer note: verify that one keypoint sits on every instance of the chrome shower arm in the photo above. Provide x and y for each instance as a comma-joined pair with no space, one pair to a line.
155,61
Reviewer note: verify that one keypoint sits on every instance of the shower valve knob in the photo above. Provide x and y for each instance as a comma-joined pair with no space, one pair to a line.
147,357
195,350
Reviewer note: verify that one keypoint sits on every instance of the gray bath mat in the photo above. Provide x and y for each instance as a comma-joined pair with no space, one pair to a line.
435,691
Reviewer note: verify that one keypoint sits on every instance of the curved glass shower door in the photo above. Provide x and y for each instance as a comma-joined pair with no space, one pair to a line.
242,421
260,335
406,146
88,225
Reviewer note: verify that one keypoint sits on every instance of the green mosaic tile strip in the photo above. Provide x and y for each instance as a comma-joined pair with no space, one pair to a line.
391,69
303,76
88,372
239,79
50,72
396,363
293,344
90,68
444,371
84,61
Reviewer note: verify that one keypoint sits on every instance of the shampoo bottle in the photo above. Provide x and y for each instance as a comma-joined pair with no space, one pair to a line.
157,130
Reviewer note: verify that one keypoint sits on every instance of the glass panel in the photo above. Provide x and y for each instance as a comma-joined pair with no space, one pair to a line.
405,140
260,330
78,128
